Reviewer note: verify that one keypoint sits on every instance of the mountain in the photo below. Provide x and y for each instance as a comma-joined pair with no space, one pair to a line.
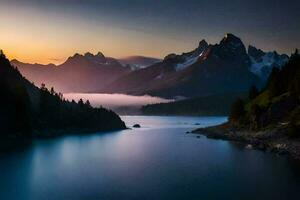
207,70
264,62
198,106
223,68
159,75
27,111
138,62
79,73
270,120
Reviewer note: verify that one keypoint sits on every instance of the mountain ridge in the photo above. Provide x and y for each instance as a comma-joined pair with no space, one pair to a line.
225,67
226,64
79,73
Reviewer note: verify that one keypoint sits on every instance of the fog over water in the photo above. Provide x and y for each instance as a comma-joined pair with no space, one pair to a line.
114,101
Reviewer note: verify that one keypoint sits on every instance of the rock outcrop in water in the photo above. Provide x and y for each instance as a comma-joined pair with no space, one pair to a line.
136,126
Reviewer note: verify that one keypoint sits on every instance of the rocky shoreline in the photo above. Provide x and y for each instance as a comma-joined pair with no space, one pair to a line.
272,139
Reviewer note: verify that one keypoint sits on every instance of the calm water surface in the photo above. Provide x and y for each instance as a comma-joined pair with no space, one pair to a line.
157,161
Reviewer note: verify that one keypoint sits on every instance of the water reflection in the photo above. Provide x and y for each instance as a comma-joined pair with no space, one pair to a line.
157,161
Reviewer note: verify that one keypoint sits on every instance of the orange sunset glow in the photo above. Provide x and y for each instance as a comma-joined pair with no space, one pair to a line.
49,33
149,99
53,37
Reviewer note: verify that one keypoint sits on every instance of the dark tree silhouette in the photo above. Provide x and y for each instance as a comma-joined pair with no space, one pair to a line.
237,110
26,109
253,92
88,104
280,103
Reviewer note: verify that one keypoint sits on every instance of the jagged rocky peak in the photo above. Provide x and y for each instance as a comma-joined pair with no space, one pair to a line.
255,53
231,47
88,54
203,44
185,60
97,58
201,47
100,54
262,62
233,43
75,57
258,55
229,37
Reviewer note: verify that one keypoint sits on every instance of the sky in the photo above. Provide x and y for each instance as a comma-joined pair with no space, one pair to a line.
49,31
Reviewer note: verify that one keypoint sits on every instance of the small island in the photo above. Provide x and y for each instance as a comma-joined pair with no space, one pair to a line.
136,126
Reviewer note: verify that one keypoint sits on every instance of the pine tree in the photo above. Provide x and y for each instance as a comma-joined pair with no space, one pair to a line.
52,91
253,92
88,104
80,102
237,110
274,85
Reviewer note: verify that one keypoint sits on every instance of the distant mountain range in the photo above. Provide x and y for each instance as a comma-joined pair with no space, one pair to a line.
82,73
226,67
79,73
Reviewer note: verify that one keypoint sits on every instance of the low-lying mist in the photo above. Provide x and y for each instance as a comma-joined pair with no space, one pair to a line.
121,103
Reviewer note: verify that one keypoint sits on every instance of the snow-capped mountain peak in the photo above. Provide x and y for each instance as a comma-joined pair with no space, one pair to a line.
189,60
262,63
181,62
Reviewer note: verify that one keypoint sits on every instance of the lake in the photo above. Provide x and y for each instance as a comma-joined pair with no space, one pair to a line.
157,161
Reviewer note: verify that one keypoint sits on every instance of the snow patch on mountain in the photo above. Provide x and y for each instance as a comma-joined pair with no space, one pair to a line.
266,61
188,62
263,66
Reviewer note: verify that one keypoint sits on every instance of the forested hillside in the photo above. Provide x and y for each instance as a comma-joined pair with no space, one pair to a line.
199,106
276,105
269,119
27,111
